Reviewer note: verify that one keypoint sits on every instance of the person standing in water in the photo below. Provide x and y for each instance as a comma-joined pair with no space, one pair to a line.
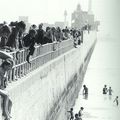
85,90
80,112
116,100
105,89
77,117
71,114
110,91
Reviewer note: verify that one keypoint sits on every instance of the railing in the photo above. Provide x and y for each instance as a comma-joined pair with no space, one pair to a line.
42,55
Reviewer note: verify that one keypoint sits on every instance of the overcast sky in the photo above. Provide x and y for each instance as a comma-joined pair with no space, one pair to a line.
38,10
107,11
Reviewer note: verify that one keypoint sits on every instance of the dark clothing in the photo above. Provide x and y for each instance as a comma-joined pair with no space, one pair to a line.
85,90
71,115
3,42
12,41
28,41
48,37
20,44
40,36
104,90
79,114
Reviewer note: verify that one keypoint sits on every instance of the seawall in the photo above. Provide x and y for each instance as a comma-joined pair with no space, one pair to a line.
47,92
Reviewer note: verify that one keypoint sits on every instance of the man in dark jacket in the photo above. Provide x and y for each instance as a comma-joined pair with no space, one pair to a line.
40,35
29,41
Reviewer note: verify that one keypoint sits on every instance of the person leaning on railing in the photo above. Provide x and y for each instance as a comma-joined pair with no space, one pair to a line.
17,30
40,35
29,42
4,34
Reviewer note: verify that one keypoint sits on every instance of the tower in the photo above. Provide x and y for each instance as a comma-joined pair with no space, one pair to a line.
65,18
90,7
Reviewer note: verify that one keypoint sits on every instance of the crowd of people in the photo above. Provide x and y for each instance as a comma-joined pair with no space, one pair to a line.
13,36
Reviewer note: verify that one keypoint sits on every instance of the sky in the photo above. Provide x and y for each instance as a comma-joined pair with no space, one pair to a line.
38,10
107,11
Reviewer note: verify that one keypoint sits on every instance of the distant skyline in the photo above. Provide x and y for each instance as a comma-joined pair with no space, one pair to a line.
107,11
39,11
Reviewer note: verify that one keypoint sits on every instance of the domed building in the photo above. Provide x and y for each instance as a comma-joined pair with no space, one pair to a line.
81,18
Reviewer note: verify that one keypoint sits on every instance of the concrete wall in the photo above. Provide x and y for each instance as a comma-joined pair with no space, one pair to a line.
44,93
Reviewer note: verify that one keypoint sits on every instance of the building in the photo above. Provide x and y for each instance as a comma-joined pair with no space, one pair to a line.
81,18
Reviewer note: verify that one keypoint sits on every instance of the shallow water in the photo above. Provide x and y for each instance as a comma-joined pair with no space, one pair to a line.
103,68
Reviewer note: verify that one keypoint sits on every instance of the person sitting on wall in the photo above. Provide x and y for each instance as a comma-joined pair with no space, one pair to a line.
7,103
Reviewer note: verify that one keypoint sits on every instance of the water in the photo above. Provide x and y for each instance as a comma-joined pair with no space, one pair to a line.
104,68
